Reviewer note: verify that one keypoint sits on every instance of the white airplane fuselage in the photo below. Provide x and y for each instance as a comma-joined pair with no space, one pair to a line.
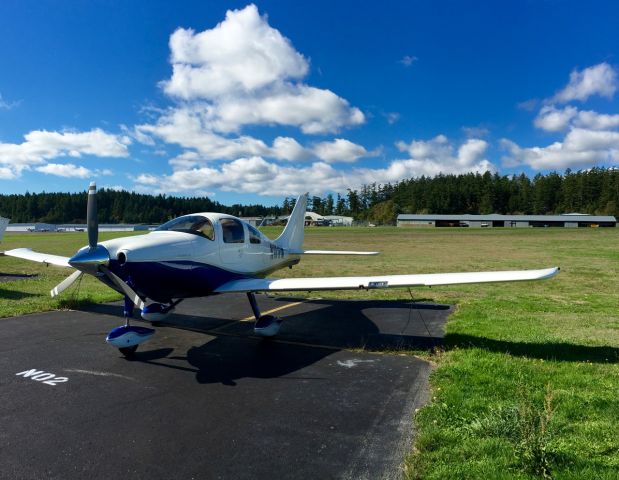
167,265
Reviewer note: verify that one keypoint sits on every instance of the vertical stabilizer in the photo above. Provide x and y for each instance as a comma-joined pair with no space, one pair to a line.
293,235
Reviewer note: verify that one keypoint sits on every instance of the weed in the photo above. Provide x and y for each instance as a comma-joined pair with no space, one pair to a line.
534,434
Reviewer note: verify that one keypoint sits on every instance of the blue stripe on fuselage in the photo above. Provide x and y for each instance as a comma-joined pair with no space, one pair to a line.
165,281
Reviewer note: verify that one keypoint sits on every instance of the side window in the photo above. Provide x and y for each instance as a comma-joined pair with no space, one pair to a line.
254,235
232,230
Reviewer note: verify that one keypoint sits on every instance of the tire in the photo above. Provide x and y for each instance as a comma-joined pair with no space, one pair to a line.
128,352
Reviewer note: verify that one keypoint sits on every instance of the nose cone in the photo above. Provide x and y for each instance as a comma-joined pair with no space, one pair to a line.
89,259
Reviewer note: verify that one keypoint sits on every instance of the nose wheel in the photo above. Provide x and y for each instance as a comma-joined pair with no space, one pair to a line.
128,352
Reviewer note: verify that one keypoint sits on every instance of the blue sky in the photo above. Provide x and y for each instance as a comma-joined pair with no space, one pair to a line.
252,102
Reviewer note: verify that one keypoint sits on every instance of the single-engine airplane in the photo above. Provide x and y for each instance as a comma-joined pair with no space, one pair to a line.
212,253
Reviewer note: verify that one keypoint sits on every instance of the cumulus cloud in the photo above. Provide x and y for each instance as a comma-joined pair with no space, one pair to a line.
188,128
244,72
596,121
65,170
287,148
579,139
186,160
248,175
552,119
580,148
313,110
239,74
439,155
257,175
590,139
7,173
241,54
42,145
339,150
599,79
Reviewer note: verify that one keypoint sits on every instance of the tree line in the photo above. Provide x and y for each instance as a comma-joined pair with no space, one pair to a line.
115,207
594,191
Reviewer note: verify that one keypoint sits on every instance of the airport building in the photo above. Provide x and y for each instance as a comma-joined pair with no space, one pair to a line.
570,220
315,220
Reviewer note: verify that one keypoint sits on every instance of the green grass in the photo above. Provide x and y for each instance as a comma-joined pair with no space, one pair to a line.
32,294
527,385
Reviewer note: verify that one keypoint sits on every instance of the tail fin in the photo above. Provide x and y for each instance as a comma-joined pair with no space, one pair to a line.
293,235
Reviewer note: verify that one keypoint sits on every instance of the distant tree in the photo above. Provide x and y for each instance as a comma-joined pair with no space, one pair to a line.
317,205
340,205
383,213
328,205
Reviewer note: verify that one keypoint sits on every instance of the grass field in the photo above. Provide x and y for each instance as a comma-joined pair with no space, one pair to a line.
527,385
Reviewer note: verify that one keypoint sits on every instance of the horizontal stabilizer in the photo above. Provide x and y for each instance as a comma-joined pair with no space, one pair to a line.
330,252
28,254
385,281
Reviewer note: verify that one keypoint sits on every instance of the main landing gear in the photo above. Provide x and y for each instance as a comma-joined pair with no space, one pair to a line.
266,325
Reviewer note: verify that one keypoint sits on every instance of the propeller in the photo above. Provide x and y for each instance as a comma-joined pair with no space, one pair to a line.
127,290
94,259
91,216
66,283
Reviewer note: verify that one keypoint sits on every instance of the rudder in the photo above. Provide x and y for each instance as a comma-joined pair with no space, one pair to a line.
293,235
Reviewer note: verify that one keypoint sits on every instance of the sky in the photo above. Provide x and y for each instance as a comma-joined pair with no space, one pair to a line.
252,102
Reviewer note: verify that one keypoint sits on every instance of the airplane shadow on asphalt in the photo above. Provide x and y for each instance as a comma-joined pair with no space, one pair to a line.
310,332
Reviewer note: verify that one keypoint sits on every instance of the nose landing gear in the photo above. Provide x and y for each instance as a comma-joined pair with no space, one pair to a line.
128,337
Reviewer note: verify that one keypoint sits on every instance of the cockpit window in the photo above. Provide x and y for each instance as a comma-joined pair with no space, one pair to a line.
195,224
254,235
232,230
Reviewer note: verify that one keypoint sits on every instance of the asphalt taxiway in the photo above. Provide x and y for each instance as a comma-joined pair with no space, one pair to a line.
206,399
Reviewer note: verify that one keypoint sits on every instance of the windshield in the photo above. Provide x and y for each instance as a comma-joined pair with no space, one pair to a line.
196,224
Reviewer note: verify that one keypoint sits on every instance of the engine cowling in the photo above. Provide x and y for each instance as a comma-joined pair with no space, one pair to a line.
156,312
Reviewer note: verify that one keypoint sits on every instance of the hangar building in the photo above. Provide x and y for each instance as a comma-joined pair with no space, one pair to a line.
495,220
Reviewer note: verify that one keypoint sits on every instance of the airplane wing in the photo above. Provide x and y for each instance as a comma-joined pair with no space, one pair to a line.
385,281
28,254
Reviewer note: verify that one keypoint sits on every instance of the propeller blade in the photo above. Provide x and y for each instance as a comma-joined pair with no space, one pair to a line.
127,290
66,283
91,216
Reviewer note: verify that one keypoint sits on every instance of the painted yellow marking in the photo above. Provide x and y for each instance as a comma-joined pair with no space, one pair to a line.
273,310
